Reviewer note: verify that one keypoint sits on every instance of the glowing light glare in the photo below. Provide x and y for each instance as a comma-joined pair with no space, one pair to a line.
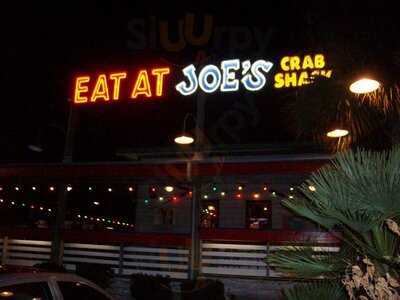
34,188
222,194
364,86
90,188
130,189
109,189
51,188
265,188
69,188
161,198
96,203
337,133
265,208
16,188
184,140
211,207
256,195
240,188
291,197
6,294
312,188
169,188
205,196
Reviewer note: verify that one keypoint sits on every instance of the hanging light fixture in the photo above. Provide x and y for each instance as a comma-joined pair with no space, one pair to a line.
364,86
185,138
337,133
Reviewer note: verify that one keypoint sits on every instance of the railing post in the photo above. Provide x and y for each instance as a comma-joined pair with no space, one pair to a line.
4,253
121,260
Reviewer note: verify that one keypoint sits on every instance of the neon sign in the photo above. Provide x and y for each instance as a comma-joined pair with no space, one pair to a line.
229,76
107,87
211,78
298,71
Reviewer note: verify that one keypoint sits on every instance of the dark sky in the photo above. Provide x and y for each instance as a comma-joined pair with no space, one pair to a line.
46,45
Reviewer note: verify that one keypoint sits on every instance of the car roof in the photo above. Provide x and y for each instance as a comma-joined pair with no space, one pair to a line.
34,275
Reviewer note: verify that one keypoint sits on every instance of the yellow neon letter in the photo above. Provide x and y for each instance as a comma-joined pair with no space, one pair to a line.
308,62
101,89
117,83
160,74
290,79
295,63
78,98
279,81
319,61
142,85
303,78
284,63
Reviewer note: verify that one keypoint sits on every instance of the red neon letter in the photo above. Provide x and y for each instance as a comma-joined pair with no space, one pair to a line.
142,85
101,89
160,74
117,83
78,98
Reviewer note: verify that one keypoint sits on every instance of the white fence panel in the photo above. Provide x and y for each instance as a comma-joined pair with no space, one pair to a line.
233,259
27,252
170,262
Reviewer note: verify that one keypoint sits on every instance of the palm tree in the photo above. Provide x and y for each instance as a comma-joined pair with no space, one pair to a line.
357,194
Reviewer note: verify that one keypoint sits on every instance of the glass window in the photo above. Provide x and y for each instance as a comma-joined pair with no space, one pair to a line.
258,214
26,291
81,291
209,214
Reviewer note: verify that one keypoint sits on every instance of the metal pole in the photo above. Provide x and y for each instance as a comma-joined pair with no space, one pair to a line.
195,250
57,244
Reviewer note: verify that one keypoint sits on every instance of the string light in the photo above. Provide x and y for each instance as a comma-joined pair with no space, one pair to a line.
90,188
291,196
12,202
312,188
51,189
291,189
69,188
110,189
16,188
96,203
1,200
34,188
41,208
169,188
130,189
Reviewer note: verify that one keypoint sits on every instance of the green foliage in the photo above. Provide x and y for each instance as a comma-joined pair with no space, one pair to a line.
321,290
303,262
356,194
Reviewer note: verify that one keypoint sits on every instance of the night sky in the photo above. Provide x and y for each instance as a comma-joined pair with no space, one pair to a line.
44,46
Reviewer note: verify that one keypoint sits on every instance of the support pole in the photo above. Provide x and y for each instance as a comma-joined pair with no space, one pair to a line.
57,243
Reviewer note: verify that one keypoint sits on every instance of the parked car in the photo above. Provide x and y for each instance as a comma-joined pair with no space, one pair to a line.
30,283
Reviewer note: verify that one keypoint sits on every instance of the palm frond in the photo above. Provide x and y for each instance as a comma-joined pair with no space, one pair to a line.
303,262
331,290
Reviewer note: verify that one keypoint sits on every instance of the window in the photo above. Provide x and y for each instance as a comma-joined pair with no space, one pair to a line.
26,291
81,291
209,214
258,215
164,216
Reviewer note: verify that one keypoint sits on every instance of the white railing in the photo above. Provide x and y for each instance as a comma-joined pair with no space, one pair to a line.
227,259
